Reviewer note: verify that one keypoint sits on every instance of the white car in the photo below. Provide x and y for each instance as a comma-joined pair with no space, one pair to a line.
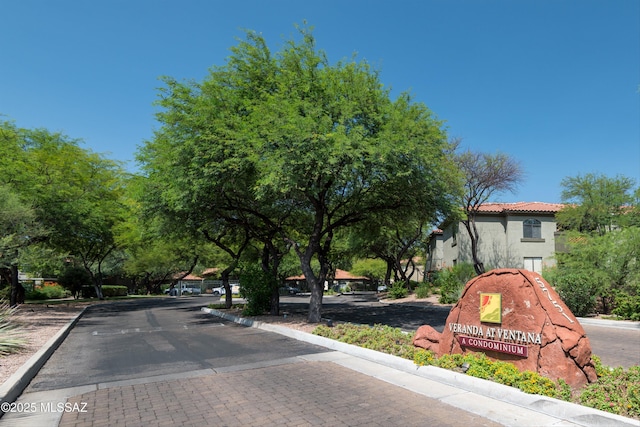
218,291
185,290
235,289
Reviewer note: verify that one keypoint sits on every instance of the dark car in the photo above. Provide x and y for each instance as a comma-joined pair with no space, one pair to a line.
289,290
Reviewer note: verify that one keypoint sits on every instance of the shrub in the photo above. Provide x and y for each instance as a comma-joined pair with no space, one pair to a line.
423,290
397,291
114,291
616,391
378,337
88,291
464,271
452,281
450,286
627,306
578,290
73,279
47,292
256,287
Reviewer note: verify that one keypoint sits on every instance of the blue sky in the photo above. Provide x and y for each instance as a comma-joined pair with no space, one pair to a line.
553,83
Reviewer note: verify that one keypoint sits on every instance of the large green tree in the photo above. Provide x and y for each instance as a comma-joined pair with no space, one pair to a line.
595,203
298,146
19,229
600,229
76,194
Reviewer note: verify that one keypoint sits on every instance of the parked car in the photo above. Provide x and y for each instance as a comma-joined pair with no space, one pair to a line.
289,290
218,291
185,290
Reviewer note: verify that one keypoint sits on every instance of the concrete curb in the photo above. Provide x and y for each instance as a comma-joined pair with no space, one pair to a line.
622,324
565,413
13,387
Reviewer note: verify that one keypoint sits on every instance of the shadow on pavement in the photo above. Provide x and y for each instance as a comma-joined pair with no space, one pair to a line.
367,310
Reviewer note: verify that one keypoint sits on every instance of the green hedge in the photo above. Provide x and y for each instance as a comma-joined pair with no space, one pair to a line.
114,291
47,292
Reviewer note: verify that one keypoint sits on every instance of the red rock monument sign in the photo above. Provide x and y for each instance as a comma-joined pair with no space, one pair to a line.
515,316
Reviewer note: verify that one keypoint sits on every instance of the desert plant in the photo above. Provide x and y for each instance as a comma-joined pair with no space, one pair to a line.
10,339
423,290
578,290
616,391
378,337
451,281
627,306
397,291
450,286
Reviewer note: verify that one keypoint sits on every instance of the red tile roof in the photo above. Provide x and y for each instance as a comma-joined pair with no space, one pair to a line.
340,275
205,273
520,207
187,277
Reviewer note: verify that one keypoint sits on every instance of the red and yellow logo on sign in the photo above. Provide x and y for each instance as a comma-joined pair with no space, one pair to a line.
491,308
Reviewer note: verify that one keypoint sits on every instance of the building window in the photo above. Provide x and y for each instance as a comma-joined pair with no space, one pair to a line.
532,229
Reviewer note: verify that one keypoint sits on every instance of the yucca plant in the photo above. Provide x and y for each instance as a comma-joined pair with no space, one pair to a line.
10,339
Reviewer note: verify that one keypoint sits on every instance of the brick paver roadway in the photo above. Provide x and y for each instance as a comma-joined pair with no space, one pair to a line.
296,394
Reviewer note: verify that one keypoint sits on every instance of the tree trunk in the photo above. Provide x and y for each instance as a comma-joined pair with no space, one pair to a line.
274,302
270,262
97,284
315,283
401,273
228,297
387,275
14,297
317,291
474,236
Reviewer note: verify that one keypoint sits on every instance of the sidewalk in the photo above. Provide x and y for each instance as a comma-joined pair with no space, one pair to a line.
274,394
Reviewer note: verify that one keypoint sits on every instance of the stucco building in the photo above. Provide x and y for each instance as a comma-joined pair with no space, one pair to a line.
512,235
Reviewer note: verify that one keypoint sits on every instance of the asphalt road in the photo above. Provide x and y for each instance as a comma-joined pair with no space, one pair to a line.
145,338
